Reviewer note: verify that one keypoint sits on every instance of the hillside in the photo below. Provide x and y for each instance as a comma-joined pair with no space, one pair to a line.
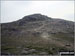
37,34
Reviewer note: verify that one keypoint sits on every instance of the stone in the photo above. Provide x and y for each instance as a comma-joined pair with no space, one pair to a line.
32,50
43,53
24,52
26,48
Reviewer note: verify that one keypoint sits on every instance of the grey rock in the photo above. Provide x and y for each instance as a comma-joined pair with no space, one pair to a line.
43,53
24,52
32,50
26,48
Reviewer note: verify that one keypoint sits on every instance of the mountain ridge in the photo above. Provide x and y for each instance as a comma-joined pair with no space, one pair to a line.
39,31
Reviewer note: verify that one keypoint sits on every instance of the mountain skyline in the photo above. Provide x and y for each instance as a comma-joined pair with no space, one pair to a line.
37,34
15,10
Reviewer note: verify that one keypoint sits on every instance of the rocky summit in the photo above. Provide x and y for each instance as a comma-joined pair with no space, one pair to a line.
37,34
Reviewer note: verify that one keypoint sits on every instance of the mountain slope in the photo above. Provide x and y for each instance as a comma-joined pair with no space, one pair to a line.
39,32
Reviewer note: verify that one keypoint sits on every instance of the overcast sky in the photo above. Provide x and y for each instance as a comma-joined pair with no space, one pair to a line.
15,10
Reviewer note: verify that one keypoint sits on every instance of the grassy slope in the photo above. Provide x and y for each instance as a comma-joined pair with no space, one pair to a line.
42,45
55,42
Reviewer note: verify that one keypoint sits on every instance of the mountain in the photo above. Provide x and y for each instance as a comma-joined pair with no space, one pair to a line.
37,34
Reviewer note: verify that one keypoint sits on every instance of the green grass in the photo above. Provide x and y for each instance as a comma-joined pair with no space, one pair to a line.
13,42
64,36
10,49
